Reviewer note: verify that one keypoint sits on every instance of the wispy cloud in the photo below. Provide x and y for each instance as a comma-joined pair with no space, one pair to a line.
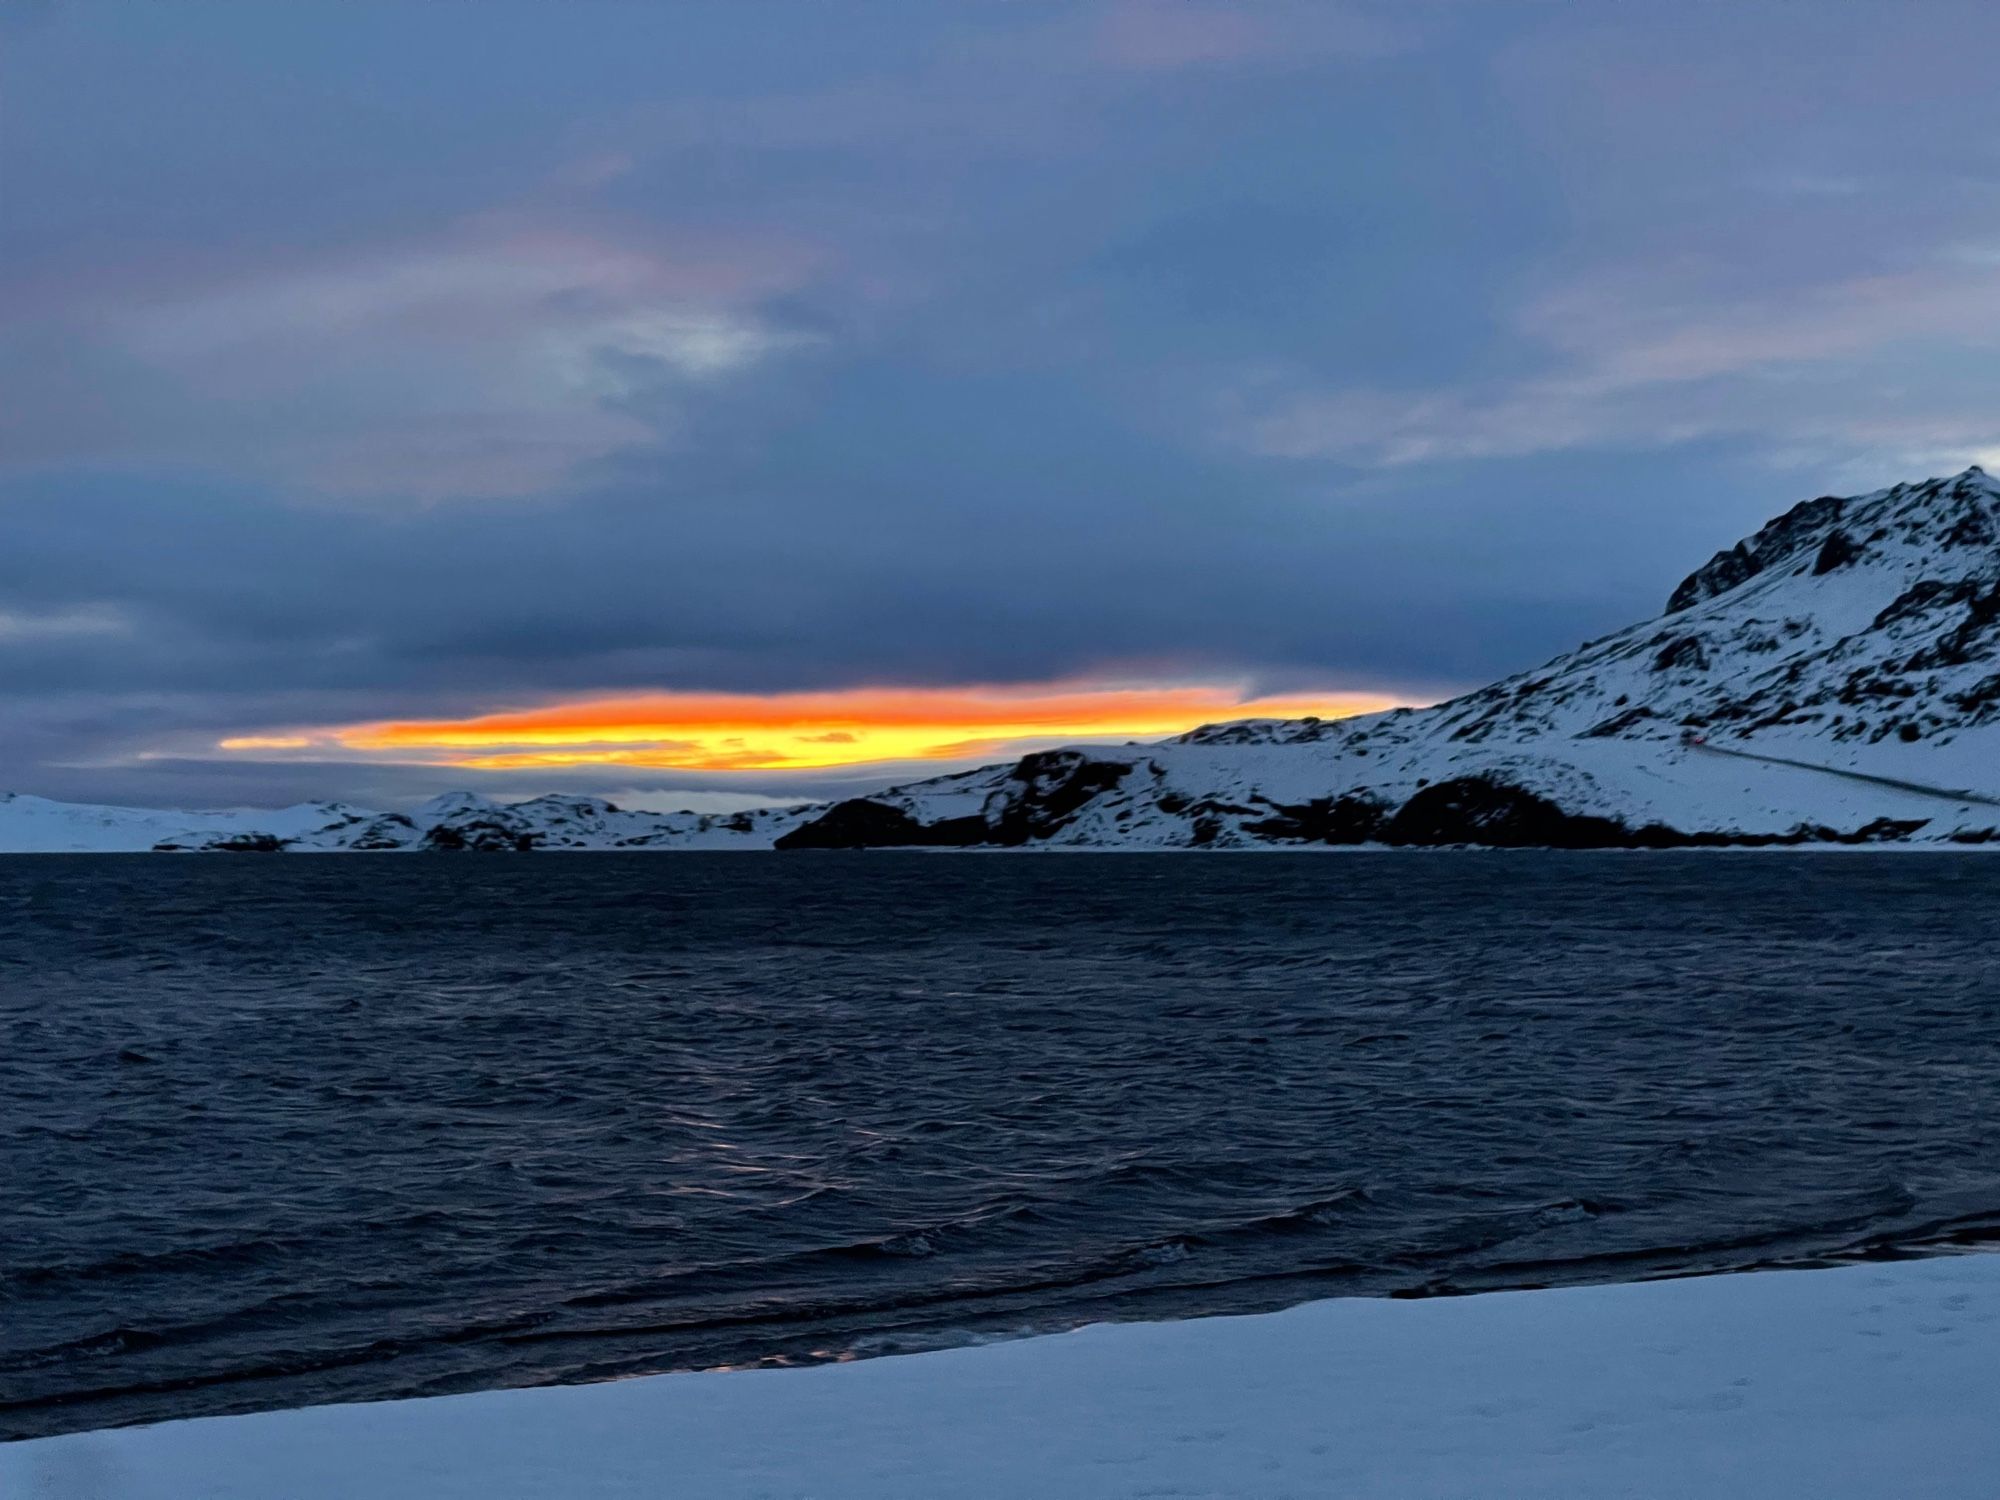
39,626
492,361
1649,359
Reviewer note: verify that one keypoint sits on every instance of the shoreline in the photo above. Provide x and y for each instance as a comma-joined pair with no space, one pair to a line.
1252,1299
1750,845
1821,1382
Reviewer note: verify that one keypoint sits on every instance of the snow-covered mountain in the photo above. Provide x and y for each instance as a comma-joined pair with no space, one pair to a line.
1834,678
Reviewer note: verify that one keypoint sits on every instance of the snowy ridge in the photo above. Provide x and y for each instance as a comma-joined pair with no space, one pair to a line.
456,821
1834,678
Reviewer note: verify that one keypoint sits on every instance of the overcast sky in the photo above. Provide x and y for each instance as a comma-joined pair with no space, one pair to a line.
399,361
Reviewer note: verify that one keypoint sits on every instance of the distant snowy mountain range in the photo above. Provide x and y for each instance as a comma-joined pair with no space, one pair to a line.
1833,679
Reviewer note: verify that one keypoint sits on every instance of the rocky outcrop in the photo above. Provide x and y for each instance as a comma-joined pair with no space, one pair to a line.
235,843
1033,801
477,836
864,823
1349,819
1805,525
1486,810
1043,792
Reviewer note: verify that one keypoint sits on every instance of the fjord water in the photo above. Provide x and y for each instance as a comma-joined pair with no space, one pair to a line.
306,1129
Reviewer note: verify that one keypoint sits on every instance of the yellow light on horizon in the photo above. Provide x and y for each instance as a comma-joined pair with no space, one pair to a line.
811,731
266,742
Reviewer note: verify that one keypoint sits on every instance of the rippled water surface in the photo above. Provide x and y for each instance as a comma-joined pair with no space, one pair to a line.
305,1129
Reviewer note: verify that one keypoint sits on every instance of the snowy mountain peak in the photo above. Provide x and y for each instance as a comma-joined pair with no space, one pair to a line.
1960,511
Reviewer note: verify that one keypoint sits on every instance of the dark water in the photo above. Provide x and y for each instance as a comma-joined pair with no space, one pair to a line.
296,1130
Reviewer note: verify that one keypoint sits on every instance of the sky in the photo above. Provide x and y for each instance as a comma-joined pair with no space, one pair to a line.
637,398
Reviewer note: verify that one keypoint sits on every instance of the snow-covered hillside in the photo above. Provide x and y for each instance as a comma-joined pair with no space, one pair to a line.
456,821
1857,636
1834,678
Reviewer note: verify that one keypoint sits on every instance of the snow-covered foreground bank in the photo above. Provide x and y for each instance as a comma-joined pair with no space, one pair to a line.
1876,1381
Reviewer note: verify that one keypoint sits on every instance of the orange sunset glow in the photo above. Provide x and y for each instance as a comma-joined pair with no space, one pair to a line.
805,731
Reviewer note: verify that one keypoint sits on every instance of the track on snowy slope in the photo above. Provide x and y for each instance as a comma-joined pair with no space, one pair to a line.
1947,794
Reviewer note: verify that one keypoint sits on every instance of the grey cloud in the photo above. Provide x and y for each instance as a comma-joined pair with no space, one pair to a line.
680,348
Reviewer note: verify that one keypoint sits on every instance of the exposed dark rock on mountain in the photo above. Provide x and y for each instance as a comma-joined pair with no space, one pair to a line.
1486,810
1798,528
863,823
485,836
1325,820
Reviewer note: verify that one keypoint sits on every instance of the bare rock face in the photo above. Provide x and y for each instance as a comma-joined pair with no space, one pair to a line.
863,823
1486,810
1033,800
1044,791
234,843
478,836
1801,527
1351,819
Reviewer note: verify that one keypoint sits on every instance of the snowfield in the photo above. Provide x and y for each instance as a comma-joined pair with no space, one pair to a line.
1833,679
1873,1382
